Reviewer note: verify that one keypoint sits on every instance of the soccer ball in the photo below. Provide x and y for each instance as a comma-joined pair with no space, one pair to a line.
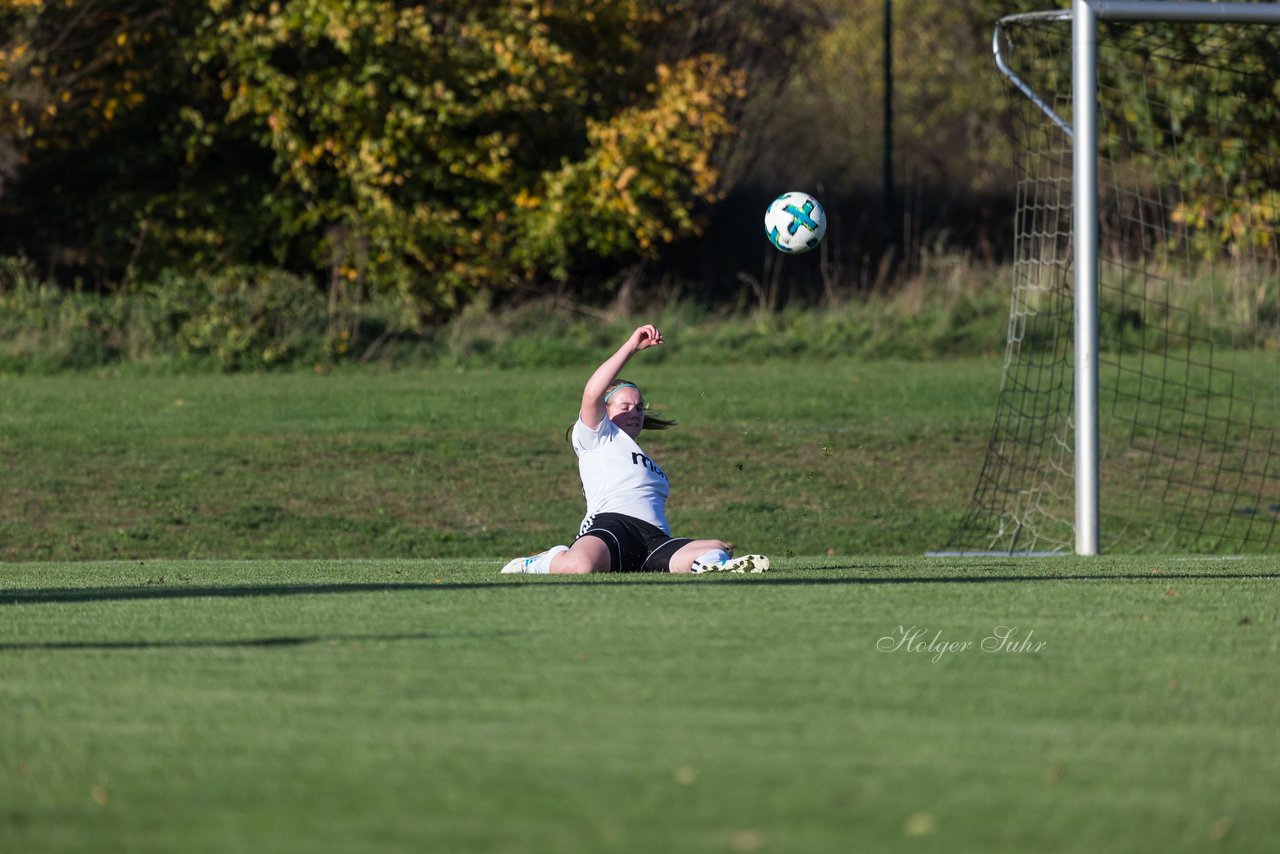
795,222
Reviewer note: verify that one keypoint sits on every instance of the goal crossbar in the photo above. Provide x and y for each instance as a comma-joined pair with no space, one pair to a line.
1191,12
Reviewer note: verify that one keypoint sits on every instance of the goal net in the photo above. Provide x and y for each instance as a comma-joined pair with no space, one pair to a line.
1188,355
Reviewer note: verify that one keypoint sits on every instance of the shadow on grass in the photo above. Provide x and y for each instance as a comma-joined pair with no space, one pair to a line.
73,595
246,643
64,595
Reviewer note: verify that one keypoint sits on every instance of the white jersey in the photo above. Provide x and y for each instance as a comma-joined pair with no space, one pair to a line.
617,476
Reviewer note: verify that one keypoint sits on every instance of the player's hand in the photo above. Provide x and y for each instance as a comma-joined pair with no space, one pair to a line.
646,336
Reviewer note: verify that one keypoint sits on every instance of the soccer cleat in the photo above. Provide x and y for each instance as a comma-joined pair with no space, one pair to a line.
746,563
539,564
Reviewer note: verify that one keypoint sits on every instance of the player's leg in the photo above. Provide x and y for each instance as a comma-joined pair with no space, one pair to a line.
603,544
703,551
715,556
589,553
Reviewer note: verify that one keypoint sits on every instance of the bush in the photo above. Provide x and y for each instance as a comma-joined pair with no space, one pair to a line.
45,329
237,319
250,319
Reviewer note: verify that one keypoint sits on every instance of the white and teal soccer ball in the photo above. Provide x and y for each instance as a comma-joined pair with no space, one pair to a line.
795,222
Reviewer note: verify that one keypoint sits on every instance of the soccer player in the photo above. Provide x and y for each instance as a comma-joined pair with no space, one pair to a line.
625,529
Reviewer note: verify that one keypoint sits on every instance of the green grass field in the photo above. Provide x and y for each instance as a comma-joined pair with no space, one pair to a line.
434,706
784,457
263,614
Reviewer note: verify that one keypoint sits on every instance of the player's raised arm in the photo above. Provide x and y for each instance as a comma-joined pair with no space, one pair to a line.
593,409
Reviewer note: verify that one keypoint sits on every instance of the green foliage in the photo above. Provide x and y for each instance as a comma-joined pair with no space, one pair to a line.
431,153
255,319
44,328
258,318
251,319
237,319
632,190
1206,127
90,107
424,150
426,140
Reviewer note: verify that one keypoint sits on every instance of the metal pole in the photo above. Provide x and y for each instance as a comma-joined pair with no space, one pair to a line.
890,212
1084,149
1204,12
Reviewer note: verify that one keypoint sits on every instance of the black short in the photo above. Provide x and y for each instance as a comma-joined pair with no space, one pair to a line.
634,545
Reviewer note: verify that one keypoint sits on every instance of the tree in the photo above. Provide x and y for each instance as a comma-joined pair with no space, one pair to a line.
91,102
433,149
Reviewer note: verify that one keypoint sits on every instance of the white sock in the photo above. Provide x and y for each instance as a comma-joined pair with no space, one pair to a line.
542,566
713,556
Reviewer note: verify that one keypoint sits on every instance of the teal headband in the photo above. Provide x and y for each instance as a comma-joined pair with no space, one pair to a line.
618,386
